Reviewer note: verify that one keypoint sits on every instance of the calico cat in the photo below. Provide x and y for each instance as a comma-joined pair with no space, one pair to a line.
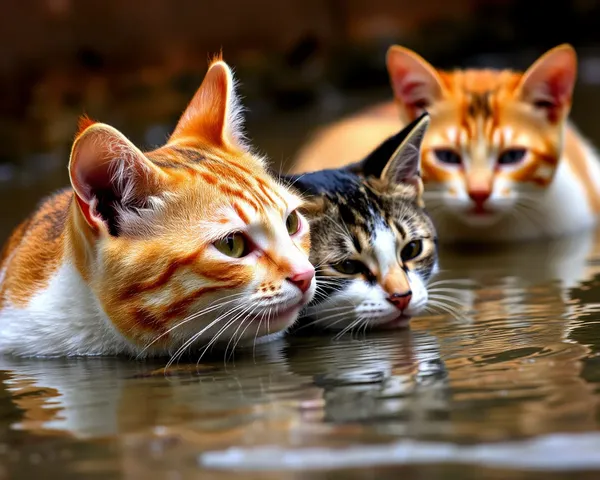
500,162
374,246
157,252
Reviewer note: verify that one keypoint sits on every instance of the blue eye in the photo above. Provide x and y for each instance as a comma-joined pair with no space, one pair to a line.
447,156
512,156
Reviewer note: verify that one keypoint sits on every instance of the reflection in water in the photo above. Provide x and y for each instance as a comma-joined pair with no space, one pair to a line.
523,362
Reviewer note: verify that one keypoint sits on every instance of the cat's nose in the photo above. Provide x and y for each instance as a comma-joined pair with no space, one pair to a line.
302,279
400,300
479,196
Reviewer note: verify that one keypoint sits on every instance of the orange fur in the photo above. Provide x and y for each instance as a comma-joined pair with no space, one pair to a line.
478,117
40,243
457,108
139,226
83,123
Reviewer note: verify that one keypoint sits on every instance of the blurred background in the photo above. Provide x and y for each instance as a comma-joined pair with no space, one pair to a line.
301,63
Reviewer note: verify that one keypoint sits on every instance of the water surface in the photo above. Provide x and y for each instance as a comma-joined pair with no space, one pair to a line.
522,362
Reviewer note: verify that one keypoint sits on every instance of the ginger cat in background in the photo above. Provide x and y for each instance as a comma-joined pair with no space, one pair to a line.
159,252
500,160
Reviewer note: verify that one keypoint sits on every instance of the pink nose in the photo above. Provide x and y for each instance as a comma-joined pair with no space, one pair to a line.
479,196
400,300
302,279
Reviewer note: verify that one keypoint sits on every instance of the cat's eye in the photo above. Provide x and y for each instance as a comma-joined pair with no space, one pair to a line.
411,250
233,245
349,267
447,156
292,223
512,156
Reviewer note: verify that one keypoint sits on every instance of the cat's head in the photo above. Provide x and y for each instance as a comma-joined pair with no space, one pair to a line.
496,136
194,239
373,244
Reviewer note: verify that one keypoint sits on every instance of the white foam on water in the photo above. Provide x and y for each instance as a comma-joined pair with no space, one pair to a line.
564,452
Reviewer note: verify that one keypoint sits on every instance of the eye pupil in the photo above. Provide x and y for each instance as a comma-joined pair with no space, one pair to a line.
233,245
412,250
448,156
512,156
350,267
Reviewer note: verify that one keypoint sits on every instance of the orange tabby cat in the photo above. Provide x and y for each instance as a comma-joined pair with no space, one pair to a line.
500,159
158,252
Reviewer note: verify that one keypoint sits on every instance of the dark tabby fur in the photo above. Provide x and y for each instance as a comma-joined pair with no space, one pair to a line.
367,222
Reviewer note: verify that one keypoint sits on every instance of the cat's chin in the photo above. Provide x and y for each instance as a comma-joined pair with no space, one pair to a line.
281,319
479,220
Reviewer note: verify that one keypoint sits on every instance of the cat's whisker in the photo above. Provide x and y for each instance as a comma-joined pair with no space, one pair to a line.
241,335
239,314
289,182
447,309
240,318
457,301
324,293
529,214
210,308
327,318
453,307
326,259
348,328
456,304
365,327
268,313
464,281
457,291
197,335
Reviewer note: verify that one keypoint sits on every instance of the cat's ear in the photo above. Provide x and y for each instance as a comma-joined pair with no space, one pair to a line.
548,84
109,175
415,82
404,166
397,159
214,115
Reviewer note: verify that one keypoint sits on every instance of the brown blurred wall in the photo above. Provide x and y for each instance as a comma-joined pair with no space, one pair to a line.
134,32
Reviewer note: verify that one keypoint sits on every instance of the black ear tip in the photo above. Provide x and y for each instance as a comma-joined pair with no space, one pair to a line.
421,120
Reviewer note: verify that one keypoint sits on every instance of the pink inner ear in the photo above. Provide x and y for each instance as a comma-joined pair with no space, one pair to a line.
560,86
91,169
550,81
90,216
413,92
108,174
415,82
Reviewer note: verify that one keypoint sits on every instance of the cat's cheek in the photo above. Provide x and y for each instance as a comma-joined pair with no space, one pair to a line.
310,293
303,243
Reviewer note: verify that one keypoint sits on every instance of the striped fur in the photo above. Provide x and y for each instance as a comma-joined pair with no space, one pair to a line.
124,262
370,214
500,161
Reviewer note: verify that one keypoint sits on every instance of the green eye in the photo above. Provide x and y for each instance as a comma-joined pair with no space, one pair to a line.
292,223
349,267
233,245
411,250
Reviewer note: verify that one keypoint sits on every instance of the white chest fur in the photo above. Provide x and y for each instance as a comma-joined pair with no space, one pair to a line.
63,319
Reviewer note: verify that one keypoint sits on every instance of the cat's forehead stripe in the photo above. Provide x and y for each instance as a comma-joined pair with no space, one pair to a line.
479,104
